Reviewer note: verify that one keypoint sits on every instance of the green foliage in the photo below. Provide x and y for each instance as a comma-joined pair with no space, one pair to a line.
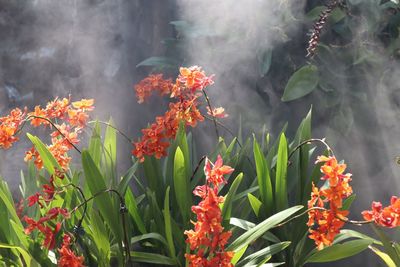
302,82
263,197
340,251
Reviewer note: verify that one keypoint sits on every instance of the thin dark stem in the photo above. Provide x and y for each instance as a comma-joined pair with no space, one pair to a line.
52,124
197,167
225,128
122,211
323,209
212,113
309,141
115,128
84,201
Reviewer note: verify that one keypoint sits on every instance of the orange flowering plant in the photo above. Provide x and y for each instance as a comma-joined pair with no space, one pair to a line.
242,214
185,92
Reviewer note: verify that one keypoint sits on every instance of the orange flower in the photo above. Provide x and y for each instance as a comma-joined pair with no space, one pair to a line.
36,121
84,104
326,224
217,112
208,238
67,256
215,174
194,78
332,169
9,126
57,108
77,118
32,154
156,138
386,217
154,82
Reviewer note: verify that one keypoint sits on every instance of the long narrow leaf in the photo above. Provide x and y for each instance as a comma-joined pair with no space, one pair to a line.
254,203
25,255
96,184
181,185
167,223
152,258
227,205
263,178
340,251
281,175
385,257
265,253
257,231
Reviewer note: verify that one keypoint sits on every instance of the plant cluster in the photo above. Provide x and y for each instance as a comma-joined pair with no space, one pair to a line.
245,208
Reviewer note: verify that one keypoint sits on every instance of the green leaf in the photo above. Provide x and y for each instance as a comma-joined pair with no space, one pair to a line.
263,178
124,183
385,257
110,151
246,225
96,184
347,233
168,228
154,236
281,197
160,62
302,82
265,62
152,258
154,177
254,203
314,13
100,237
389,249
227,205
95,144
133,210
49,162
340,251
25,255
238,255
265,253
304,154
8,202
257,231
348,201
181,185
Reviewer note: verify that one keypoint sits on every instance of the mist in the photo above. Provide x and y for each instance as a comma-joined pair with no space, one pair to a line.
90,49
85,49
243,30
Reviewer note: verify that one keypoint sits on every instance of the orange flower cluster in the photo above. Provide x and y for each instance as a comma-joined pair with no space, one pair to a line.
153,82
62,140
67,256
208,237
186,89
74,114
388,216
325,224
44,225
9,126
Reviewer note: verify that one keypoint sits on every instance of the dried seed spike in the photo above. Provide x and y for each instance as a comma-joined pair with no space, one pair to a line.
318,26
